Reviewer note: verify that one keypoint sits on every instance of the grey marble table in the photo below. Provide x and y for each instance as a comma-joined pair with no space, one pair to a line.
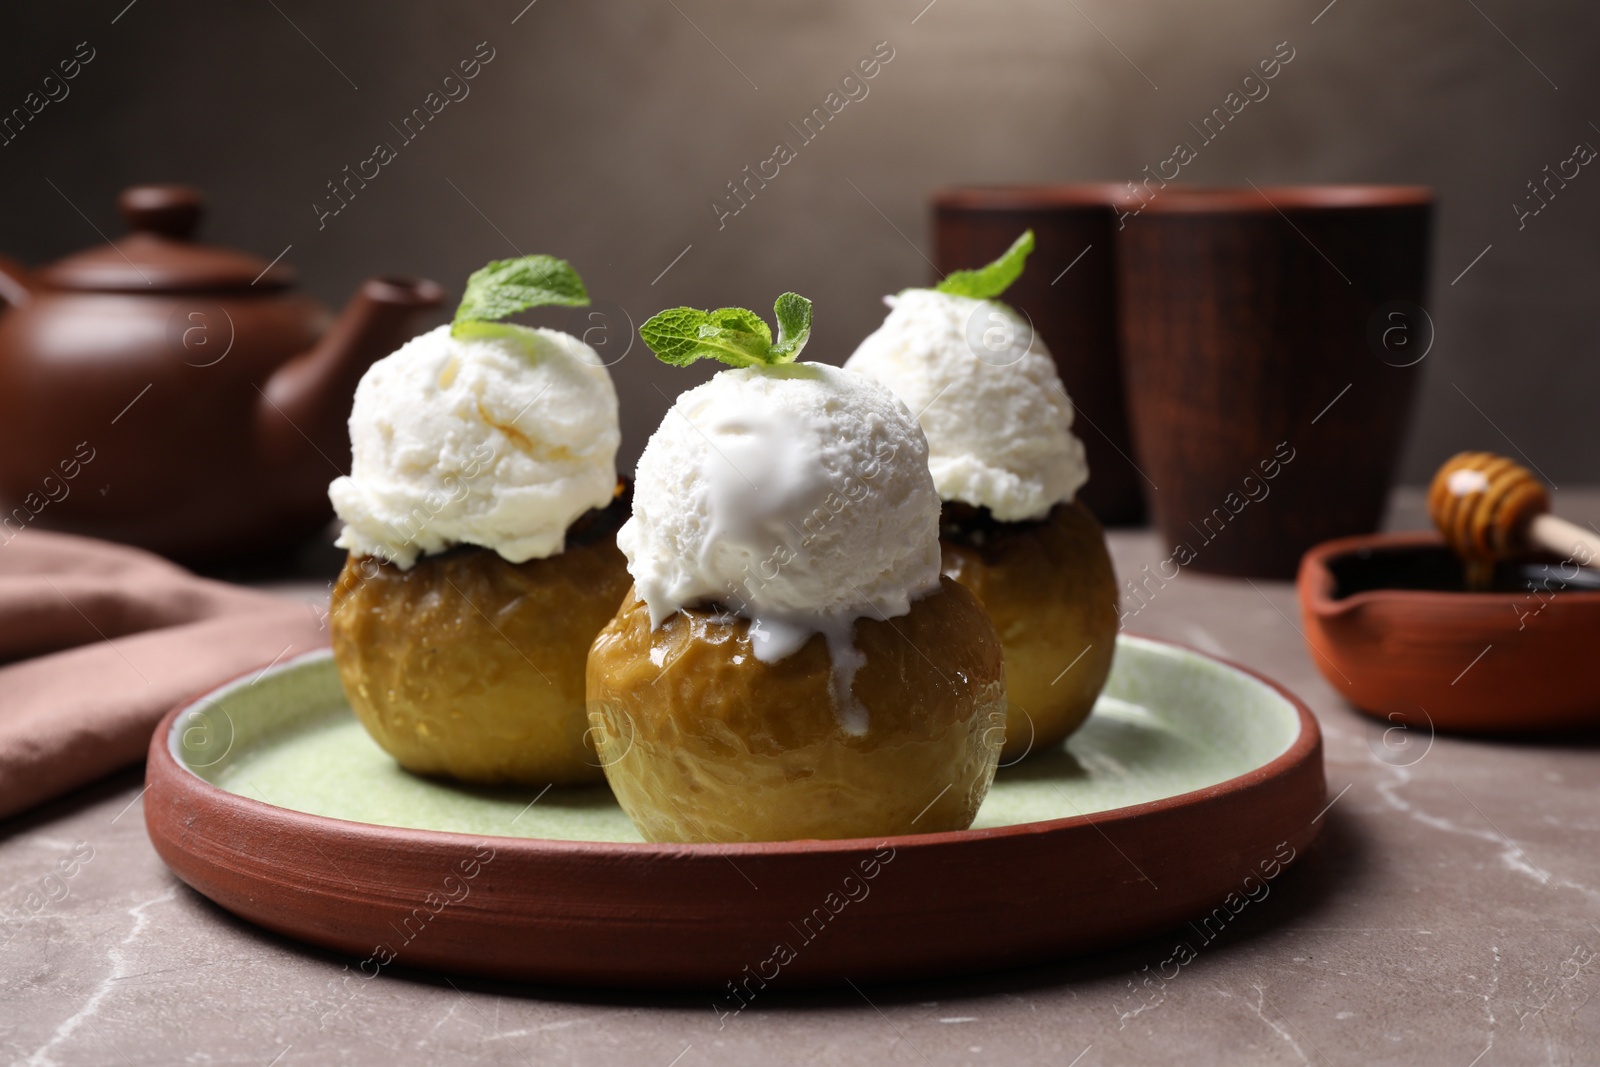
1449,914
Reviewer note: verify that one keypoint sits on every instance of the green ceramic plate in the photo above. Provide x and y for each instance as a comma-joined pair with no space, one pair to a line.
1170,722
1192,783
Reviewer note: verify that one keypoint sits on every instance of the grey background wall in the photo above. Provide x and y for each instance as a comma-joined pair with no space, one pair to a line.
602,132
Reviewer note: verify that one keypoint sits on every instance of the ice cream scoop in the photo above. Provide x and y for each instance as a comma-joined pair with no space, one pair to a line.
986,393
790,663
499,441
796,495
1007,466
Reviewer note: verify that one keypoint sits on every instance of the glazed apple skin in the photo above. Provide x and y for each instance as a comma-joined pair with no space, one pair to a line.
701,741
471,667
1051,592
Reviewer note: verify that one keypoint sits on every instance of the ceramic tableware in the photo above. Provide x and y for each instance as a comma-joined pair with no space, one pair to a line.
1193,780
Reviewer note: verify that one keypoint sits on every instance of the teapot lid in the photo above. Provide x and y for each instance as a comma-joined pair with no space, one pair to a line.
159,256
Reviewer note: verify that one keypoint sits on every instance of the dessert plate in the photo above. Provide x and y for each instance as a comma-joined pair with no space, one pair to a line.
1193,782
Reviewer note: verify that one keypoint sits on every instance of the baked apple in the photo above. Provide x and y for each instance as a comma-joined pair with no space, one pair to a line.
480,514
790,664
702,741
1049,588
472,667
1007,466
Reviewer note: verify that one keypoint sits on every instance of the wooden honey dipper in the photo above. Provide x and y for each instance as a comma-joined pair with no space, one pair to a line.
1489,508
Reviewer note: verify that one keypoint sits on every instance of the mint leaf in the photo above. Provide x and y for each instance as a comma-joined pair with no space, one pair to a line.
740,321
674,335
735,336
794,325
680,336
508,286
986,283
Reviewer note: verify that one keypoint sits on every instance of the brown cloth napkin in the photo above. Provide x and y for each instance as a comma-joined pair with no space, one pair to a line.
99,640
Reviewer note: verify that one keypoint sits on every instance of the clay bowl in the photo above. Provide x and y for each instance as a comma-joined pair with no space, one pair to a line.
1392,628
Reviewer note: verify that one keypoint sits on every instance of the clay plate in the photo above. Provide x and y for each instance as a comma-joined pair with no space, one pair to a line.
1192,776
1508,661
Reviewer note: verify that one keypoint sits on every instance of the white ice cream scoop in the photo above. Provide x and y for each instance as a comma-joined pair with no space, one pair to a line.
796,495
497,441
998,422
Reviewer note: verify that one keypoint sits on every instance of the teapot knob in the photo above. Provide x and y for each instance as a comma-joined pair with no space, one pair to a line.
169,210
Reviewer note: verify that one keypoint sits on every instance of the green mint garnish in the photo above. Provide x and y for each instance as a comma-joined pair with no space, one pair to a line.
735,336
986,283
794,326
508,286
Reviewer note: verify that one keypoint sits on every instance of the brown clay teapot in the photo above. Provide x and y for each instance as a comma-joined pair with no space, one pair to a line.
179,396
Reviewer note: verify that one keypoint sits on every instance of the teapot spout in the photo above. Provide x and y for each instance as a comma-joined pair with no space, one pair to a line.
308,398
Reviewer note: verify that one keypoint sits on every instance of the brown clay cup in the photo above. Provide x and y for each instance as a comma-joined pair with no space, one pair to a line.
1068,292
1260,324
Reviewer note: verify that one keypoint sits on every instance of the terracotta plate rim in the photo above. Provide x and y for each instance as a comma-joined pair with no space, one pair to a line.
165,766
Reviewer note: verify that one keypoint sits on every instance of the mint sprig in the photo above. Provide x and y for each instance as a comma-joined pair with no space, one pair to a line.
735,336
507,286
986,283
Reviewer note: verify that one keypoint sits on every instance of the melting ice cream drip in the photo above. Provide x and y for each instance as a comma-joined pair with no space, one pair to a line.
744,497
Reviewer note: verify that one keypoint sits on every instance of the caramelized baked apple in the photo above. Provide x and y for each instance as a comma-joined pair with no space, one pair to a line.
1008,467
469,666
703,741
1049,587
